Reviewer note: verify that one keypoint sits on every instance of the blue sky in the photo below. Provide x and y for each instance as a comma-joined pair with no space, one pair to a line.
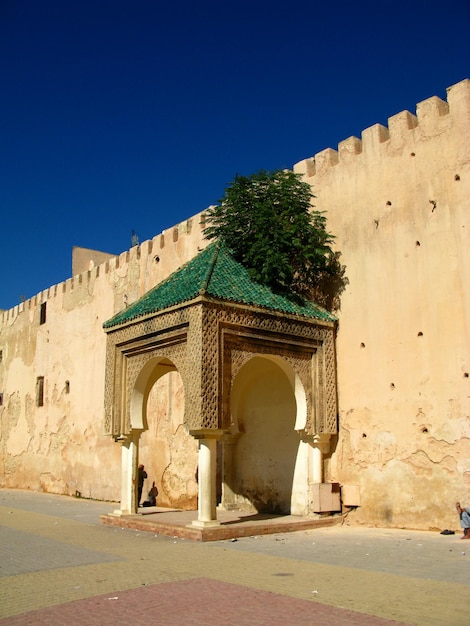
118,116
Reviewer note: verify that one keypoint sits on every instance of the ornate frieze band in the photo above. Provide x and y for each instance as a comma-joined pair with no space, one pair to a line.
208,343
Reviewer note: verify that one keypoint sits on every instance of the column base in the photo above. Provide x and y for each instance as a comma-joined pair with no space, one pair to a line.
120,513
201,524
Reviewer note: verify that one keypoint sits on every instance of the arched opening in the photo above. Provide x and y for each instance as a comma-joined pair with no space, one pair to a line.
166,449
267,404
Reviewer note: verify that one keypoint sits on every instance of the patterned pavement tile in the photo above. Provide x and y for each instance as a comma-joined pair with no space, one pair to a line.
195,602
22,552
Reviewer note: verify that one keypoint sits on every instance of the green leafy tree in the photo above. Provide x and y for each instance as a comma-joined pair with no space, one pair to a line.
268,222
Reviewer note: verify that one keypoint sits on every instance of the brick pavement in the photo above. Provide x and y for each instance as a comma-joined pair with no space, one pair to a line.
59,565
195,602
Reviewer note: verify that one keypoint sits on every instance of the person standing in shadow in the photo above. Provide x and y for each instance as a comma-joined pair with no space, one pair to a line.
142,475
152,497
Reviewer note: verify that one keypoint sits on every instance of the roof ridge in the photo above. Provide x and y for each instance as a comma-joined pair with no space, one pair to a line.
215,273
210,269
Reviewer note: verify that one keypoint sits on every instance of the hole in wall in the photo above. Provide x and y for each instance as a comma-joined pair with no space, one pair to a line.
392,385
417,244
363,345
364,436
424,429
465,375
42,316
388,203
457,177
420,334
413,154
156,258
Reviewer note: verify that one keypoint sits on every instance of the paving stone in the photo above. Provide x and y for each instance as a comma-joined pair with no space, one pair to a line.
196,602
59,565
22,552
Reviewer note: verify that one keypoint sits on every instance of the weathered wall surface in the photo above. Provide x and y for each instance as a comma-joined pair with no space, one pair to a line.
168,451
266,447
398,201
59,447
85,259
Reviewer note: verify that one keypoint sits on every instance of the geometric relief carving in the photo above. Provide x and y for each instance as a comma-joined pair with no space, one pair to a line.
211,392
135,363
192,373
331,410
128,349
239,353
109,426
209,342
308,347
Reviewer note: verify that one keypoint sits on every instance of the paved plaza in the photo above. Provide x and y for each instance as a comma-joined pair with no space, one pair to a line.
59,565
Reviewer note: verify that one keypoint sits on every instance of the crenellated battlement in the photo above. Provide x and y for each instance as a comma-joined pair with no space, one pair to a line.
433,116
166,250
159,256
397,201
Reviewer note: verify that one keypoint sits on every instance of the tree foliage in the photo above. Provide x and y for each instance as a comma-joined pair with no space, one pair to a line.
270,226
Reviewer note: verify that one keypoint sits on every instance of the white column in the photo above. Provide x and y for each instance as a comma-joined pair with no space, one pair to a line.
207,505
129,452
320,444
299,502
317,464
228,496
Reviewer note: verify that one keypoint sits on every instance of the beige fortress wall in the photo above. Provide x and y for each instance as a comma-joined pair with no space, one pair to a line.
398,201
85,259
60,447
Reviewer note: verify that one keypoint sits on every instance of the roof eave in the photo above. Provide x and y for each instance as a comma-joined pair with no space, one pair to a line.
207,297
147,316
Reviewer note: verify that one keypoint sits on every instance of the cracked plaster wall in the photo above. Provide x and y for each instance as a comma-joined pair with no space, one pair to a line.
169,453
398,202
60,447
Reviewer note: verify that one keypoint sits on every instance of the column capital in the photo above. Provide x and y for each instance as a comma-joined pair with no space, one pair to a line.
126,439
207,433
231,438
317,440
123,439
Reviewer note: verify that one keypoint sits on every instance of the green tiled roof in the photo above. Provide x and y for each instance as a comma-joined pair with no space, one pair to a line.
214,273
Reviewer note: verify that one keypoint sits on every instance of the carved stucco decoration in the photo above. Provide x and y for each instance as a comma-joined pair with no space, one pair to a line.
208,342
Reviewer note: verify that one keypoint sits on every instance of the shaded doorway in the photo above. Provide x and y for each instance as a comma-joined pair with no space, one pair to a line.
264,410
166,449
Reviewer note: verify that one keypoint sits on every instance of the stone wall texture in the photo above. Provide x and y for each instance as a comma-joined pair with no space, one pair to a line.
60,447
398,201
